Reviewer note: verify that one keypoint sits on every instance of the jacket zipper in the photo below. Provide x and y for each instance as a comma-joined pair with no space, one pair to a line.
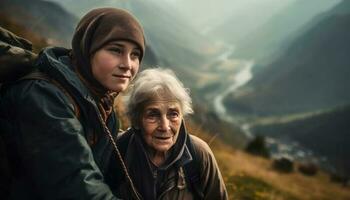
180,175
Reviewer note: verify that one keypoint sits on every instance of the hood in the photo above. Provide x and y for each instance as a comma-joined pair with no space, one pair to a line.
55,62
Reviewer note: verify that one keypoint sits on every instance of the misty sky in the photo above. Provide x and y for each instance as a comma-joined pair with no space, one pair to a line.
205,15
211,12
203,12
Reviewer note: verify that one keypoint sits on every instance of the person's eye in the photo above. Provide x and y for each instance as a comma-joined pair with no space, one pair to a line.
135,55
173,115
152,116
115,50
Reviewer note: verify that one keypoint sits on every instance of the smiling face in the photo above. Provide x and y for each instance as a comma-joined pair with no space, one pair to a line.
116,64
161,121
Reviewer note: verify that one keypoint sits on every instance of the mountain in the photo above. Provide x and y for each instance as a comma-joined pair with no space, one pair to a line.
44,18
265,42
312,74
241,18
38,41
326,133
172,41
208,16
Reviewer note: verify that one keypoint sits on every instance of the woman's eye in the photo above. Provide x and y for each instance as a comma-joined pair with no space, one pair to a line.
173,115
135,55
152,117
116,50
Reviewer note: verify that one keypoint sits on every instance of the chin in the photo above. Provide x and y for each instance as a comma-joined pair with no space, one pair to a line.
162,149
118,88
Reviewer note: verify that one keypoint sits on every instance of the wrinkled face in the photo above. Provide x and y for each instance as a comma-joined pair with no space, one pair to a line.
161,121
116,64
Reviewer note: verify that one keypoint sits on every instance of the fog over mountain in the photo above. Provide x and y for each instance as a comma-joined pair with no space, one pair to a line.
310,80
198,13
220,21
210,15
313,73
267,41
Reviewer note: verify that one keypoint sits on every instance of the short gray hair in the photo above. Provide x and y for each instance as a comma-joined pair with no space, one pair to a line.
155,83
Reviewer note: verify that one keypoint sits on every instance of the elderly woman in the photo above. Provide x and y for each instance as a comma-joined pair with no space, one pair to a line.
58,122
164,161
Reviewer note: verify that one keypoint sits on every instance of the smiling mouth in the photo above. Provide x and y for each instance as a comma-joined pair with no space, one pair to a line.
121,76
162,137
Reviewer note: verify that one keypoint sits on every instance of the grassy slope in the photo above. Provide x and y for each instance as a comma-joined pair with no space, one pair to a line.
251,177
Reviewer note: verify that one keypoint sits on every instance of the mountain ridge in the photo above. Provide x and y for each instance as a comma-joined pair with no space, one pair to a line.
310,75
43,18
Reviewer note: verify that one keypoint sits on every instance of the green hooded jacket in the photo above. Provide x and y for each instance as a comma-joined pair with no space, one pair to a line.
53,153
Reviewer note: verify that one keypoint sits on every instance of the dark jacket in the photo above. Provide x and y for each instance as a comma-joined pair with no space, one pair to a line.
168,181
55,154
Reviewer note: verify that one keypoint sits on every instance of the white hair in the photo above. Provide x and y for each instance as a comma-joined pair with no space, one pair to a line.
153,84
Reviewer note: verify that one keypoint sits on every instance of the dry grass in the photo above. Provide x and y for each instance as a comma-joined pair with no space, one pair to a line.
235,162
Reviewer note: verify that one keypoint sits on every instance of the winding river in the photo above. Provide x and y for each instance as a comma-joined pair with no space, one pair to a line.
278,147
241,78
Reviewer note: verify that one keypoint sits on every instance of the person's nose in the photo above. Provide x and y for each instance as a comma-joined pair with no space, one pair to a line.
164,124
125,62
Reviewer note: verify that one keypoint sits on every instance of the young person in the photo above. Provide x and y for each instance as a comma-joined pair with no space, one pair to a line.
59,127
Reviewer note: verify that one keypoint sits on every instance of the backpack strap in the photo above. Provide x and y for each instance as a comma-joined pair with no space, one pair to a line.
14,40
123,141
121,146
192,169
37,75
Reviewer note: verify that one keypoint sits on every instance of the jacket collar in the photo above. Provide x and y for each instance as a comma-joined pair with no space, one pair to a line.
179,155
143,172
56,63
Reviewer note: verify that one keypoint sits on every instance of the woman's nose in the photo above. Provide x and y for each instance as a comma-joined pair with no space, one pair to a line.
164,124
125,62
